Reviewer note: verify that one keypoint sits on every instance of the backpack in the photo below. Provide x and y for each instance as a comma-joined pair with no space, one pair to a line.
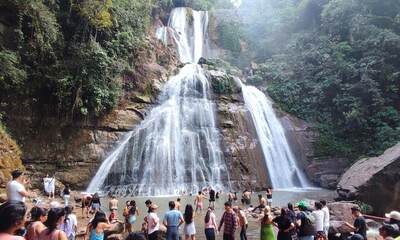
309,217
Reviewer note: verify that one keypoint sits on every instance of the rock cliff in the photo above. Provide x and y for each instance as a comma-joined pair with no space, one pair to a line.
10,157
73,150
374,180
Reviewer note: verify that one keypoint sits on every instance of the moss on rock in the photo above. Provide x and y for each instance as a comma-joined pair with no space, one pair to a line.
10,156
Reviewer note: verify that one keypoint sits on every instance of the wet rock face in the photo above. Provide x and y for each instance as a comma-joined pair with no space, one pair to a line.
74,150
10,157
239,141
324,171
374,180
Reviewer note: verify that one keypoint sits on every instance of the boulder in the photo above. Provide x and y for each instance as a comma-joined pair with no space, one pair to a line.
341,211
375,181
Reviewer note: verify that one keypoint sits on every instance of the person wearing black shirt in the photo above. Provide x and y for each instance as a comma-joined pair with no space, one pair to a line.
212,198
285,225
360,226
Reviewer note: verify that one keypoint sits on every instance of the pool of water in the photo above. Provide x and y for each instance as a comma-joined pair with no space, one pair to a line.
280,198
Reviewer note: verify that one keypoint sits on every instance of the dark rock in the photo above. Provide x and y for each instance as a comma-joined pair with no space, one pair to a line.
375,181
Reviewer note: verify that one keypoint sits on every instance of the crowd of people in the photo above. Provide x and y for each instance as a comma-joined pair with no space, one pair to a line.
296,221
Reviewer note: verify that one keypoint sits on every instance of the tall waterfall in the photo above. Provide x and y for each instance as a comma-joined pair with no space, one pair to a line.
176,148
280,161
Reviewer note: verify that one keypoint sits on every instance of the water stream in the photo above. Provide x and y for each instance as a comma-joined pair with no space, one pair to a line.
176,148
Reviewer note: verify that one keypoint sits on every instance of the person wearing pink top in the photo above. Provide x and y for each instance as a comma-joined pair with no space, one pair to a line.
210,224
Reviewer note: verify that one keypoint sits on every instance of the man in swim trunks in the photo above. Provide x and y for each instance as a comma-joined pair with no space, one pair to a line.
199,201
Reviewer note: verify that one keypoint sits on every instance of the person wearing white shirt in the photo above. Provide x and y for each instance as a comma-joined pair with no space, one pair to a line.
15,188
319,218
153,222
70,223
325,209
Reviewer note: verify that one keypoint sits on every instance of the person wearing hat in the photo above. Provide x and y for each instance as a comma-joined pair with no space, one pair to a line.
153,222
15,188
360,226
304,222
394,218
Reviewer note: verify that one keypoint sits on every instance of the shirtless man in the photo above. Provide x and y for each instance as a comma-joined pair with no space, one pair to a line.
178,204
113,205
262,201
246,197
86,202
199,201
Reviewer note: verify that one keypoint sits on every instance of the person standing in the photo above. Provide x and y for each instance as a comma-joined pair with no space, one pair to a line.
285,225
325,209
49,186
70,224
113,207
36,226
267,230
178,204
199,201
66,195
189,228
243,223
130,217
269,196
153,223
229,220
173,219
319,220
360,226
210,224
304,222
95,203
15,188
212,198
12,215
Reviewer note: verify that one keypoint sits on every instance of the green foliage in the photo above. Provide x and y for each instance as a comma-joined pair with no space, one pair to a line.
97,12
68,55
12,77
340,70
202,5
223,85
229,36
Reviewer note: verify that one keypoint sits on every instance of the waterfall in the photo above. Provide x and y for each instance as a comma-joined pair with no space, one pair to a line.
280,161
176,148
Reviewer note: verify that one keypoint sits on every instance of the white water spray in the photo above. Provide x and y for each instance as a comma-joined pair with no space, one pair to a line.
176,148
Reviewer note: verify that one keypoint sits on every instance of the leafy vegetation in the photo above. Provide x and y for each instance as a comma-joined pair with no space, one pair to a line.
335,63
196,4
67,55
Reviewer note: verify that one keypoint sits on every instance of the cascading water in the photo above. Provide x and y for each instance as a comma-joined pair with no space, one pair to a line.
176,148
281,163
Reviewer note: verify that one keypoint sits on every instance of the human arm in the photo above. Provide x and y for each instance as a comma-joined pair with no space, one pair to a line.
289,228
353,228
221,222
62,235
181,220
88,229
